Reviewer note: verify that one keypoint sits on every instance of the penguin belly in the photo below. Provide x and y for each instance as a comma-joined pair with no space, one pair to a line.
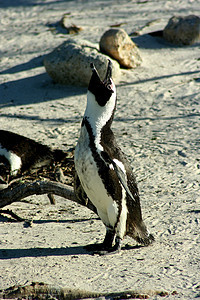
14,160
93,186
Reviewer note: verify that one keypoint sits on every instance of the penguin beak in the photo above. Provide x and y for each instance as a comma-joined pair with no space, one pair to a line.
96,79
101,89
107,80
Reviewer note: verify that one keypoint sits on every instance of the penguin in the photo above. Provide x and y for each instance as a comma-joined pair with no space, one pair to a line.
19,154
104,171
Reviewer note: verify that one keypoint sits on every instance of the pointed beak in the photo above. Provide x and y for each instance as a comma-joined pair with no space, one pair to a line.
108,73
101,89
95,79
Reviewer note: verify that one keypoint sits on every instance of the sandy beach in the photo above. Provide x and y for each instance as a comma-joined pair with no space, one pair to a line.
156,123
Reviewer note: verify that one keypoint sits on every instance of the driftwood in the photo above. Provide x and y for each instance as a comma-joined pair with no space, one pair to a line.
39,187
40,290
20,190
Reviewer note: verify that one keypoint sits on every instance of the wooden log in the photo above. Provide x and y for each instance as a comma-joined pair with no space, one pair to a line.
19,191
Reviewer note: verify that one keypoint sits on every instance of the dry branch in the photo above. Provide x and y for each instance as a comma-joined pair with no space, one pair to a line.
18,191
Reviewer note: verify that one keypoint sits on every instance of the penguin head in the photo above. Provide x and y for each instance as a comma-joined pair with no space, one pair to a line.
102,90
101,99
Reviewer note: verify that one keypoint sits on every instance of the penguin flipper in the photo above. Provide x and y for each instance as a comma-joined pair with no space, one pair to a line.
120,174
122,179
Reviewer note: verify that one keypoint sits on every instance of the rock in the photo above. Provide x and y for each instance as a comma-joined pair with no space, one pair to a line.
117,44
182,30
70,62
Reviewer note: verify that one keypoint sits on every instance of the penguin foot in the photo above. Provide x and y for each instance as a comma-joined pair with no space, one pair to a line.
105,249
95,247
113,250
102,249
99,249
110,251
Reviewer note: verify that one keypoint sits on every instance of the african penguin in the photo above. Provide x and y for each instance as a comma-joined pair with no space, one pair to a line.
19,154
104,172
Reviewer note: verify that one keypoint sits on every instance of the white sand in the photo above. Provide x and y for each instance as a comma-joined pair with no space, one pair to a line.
157,125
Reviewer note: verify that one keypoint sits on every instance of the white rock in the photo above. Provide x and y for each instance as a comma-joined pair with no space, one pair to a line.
117,44
182,30
70,63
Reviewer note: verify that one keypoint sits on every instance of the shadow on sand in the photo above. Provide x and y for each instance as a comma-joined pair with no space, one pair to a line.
39,252
33,89
11,3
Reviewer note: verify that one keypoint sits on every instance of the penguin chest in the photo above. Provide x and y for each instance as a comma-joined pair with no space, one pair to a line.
90,179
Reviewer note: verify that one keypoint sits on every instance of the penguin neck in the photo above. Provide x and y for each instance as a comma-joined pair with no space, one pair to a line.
99,117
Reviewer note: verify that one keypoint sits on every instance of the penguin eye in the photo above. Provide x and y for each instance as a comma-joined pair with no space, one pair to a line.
109,85
110,88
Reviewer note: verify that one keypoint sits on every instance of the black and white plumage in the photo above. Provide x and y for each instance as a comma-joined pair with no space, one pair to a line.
104,172
19,154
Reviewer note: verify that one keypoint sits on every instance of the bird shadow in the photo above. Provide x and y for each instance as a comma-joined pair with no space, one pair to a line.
39,252
48,251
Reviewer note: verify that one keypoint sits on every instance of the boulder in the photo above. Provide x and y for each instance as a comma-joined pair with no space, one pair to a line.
182,30
70,62
117,44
